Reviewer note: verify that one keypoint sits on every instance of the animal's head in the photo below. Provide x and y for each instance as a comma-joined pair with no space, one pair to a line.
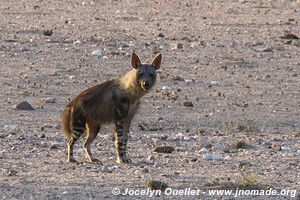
145,73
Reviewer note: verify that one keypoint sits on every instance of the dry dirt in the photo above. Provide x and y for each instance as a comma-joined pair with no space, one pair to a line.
227,58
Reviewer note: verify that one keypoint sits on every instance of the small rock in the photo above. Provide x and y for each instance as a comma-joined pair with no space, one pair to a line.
105,58
71,77
161,35
24,106
267,49
157,185
151,158
106,169
164,149
77,42
211,157
43,136
53,146
175,46
203,150
215,82
285,148
296,43
227,158
49,100
290,36
10,127
97,53
11,172
48,32
166,88
186,138
145,170
177,78
188,81
188,104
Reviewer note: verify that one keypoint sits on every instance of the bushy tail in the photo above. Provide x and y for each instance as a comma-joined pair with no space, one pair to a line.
66,123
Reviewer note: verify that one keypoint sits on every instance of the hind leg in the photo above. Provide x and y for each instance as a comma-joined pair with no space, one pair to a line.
92,131
77,128
76,133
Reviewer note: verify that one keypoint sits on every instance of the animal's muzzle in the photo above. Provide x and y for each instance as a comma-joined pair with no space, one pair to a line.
145,85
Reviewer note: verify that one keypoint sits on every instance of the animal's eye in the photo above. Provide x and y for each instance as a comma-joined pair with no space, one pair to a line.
141,74
152,75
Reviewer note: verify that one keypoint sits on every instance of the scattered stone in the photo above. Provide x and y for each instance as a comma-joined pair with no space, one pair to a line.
77,42
267,49
188,104
161,35
11,172
106,169
49,100
194,160
97,53
166,88
164,137
214,82
149,127
53,147
164,149
48,32
177,78
296,43
242,145
24,106
186,138
203,150
227,158
290,36
285,148
175,46
188,81
156,185
43,136
72,77
10,127
212,157
151,158
145,170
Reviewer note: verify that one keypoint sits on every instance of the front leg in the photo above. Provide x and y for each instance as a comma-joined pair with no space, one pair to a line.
121,138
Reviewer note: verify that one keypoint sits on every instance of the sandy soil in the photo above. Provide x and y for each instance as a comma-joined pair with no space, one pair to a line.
235,61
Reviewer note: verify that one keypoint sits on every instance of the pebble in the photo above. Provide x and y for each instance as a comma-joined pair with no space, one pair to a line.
211,157
24,106
187,138
267,49
285,148
10,127
77,42
296,43
164,149
49,100
48,32
215,82
203,150
166,88
53,146
97,53
188,104
106,169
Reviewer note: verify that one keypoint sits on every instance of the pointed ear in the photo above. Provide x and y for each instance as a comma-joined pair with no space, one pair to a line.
157,61
135,60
